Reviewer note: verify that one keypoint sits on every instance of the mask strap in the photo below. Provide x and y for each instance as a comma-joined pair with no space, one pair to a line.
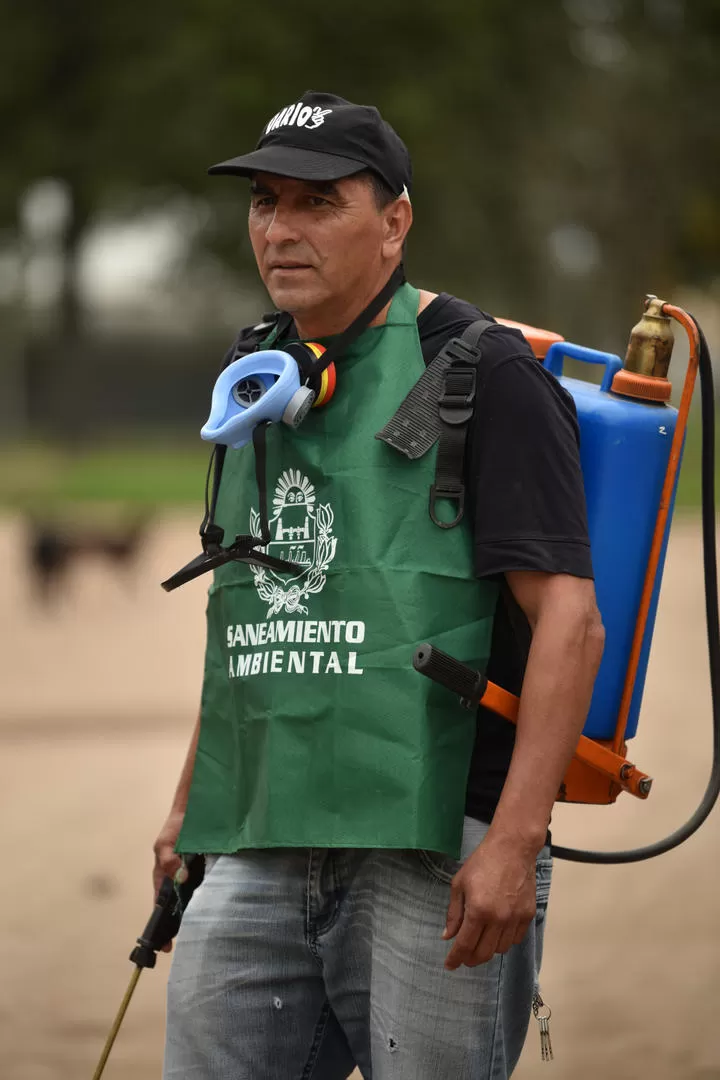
244,547
210,533
343,340
260,448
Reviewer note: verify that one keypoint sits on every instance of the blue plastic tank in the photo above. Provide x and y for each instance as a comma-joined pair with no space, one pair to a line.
624,450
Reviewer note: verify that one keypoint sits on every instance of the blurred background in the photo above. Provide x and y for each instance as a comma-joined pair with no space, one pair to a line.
567,161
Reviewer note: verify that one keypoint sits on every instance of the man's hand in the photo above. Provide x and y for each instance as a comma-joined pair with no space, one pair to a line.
492,903
167,861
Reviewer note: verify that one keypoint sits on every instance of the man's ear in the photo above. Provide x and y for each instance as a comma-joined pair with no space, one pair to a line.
398,217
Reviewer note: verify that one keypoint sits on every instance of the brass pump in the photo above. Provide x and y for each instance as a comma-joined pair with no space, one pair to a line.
644,374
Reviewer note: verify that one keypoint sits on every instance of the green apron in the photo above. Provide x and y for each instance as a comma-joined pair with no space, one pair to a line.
316,731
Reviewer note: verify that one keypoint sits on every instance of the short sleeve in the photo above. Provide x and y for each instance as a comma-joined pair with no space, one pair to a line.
525,485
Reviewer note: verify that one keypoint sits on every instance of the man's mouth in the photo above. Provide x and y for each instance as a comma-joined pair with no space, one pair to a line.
290,266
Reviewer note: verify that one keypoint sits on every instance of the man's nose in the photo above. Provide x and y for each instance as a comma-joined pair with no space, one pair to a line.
282,227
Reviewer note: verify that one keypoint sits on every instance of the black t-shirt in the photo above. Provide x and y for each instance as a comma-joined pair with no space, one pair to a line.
526,505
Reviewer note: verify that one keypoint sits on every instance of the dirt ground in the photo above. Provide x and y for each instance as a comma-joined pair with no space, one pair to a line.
98,698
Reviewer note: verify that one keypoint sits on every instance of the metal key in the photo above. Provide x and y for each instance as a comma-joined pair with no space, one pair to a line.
542,1014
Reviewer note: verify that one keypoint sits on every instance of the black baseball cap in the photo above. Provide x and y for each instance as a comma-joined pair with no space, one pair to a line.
325,137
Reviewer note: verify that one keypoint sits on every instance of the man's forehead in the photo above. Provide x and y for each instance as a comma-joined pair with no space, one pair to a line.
275,182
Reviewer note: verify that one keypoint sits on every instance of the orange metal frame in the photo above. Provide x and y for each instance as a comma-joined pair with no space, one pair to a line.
600,771
590,752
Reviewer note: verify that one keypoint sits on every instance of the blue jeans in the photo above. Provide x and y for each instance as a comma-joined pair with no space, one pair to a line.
294,964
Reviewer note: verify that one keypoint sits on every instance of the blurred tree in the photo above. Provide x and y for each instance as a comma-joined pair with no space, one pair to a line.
566,154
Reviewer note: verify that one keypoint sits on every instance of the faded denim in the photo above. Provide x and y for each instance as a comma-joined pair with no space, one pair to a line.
294,964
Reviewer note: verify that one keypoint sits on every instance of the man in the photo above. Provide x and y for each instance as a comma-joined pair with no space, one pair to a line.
326,780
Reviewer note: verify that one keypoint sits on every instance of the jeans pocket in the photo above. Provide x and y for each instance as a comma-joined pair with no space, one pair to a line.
439,866
210,861
543,878
442,867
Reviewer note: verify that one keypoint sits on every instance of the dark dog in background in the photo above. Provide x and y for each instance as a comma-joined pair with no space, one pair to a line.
52,549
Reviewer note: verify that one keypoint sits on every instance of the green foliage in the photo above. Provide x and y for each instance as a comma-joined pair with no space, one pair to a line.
522,118
45,478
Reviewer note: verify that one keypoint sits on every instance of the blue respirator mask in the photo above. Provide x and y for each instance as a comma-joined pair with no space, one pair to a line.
266,386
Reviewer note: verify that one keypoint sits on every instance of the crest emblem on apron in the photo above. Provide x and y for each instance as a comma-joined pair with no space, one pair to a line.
300,532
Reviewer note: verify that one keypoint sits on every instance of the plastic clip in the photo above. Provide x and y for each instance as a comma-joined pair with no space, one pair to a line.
457,403
456,495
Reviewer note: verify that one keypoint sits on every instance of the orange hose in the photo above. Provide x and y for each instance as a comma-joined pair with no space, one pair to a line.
661,523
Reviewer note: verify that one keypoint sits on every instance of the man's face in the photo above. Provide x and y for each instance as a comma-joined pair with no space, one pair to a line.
316,243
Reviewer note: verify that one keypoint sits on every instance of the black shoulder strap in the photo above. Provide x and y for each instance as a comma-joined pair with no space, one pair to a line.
415,427
440,407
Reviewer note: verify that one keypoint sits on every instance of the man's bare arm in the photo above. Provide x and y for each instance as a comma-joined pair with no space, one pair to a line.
493,895
567,644
166,860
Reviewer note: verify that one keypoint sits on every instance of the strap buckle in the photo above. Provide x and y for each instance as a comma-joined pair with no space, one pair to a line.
212,537
459,351
454,493
457,403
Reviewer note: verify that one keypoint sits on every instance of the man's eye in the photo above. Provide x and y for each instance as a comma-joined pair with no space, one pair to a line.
317,200
262,200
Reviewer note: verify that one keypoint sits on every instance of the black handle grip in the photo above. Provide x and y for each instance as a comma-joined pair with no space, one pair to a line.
162,926
164,922
450,673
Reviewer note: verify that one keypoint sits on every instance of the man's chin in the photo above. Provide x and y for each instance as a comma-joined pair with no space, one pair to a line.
287,296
